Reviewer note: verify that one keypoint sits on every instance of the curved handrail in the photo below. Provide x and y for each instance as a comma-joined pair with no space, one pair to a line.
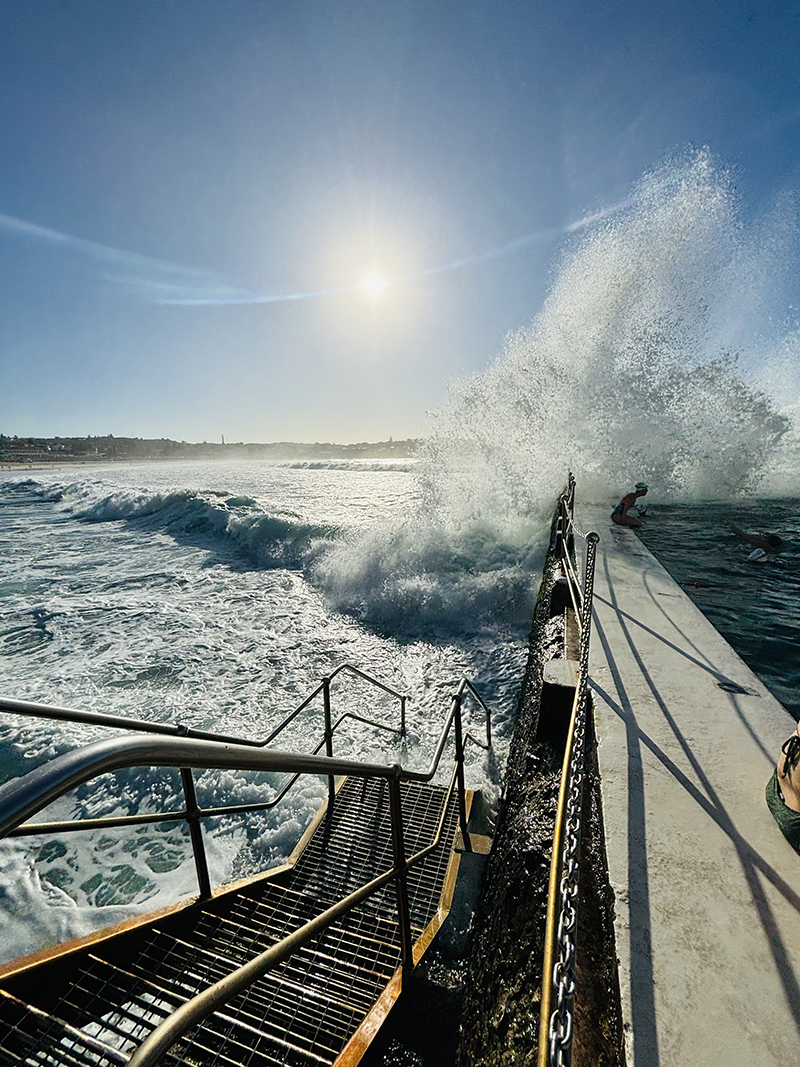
192,813
325,684
111,821
23,797
55,712
195,1011
121,722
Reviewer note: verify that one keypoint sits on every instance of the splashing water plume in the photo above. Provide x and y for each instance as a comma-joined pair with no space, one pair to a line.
629,372
622,375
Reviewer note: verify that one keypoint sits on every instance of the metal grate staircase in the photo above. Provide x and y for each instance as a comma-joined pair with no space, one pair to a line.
95,1005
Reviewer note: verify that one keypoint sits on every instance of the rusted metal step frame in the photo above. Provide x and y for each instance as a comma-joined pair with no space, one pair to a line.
244,889
23,798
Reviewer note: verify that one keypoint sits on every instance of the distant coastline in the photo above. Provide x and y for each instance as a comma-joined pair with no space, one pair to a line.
37,452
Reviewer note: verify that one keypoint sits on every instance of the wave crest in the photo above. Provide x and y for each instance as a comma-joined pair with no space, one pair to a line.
266,537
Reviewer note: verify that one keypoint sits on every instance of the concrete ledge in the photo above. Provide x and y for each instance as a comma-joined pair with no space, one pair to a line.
562,672
707,890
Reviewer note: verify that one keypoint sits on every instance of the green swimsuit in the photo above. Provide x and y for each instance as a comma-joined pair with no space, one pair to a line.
787,818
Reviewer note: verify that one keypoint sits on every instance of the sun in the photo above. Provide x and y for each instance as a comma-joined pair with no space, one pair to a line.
373,284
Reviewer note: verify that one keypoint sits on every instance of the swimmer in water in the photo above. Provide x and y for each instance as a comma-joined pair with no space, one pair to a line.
768,543
620,513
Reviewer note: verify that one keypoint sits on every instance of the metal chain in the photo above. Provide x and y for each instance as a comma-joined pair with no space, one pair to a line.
561,1021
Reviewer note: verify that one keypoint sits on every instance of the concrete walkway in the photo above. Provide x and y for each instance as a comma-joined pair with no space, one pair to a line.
707,890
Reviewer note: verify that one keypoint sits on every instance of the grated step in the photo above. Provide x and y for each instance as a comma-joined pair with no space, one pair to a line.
300,1014
33,1037
117,1007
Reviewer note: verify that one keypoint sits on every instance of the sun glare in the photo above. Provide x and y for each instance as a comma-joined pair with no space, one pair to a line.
373,284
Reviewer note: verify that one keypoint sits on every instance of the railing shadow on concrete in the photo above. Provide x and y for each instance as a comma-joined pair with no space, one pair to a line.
643,1007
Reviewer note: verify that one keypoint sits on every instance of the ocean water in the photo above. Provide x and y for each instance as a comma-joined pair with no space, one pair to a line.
754,603
668,350
218,596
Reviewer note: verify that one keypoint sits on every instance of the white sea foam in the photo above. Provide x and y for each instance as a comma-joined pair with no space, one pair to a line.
632,370
182,594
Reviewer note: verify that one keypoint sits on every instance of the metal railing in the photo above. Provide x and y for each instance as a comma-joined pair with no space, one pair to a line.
192,813
558,974
23,797
565,545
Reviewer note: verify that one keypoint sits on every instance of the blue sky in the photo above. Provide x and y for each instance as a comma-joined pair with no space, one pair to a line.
239,150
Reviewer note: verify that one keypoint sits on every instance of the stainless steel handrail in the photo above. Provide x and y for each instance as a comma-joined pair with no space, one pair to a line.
23,797
247,758
196,1010
192,813
321,688
54,712
120,722
109,822
117,722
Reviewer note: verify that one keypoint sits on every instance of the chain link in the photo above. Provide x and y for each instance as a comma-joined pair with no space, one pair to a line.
562,1021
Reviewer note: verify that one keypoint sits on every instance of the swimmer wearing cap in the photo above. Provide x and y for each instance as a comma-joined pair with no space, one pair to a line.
620,513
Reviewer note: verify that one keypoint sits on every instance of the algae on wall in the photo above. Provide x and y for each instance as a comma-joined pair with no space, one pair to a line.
500,1013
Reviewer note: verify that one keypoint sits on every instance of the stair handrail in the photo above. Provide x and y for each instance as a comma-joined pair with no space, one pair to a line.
23,797
196,1010
177,815
48,711
122,722
59,775
44,784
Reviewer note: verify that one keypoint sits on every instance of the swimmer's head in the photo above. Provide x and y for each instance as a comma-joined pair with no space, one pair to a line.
758,555
641,487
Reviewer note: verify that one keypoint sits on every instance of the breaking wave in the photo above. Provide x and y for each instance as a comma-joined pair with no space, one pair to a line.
264,537
350,464
654,357
636,367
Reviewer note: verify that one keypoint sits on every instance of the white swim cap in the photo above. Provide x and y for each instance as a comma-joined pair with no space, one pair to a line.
758,555
641,485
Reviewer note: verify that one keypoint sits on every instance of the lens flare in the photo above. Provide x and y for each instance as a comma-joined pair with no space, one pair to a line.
160,282
373,284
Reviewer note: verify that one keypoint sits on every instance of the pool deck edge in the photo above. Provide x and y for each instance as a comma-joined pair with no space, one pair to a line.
707,891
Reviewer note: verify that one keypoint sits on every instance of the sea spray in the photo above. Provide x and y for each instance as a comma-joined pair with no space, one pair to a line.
629,371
